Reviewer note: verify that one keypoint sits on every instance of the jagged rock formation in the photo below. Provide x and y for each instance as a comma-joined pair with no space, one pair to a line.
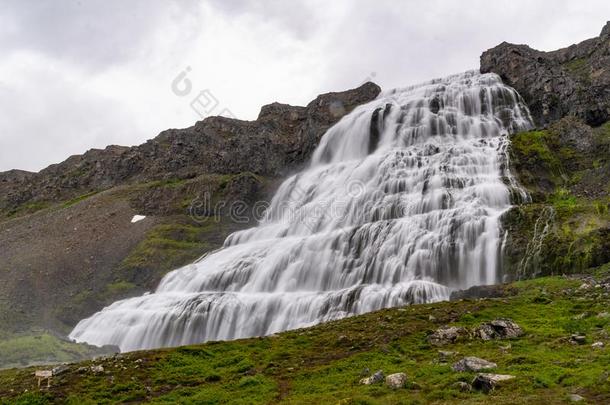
283,136
569,81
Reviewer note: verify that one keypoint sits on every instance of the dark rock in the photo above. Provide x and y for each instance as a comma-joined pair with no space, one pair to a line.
498,329
473,364
448,334
578,339
488,382
569,81
478,292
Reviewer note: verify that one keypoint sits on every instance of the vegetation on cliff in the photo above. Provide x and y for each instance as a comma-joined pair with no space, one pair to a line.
566,227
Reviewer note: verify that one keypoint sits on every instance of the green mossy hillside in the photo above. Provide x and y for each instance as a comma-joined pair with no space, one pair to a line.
323,364
18,350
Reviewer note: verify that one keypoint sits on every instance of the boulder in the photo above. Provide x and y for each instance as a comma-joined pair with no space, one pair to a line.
598,345
396,380
488,382
498,329
473,364
374,379
448,334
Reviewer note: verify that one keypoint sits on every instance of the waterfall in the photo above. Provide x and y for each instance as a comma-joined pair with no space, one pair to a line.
400,205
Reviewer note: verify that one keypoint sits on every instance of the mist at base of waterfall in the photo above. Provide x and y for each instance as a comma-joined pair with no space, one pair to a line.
401,204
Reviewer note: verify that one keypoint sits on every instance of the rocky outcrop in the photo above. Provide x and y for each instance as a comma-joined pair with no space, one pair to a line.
282,138
448,334
570,81
498,329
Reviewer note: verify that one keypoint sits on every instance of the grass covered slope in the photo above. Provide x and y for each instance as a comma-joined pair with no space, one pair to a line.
324,364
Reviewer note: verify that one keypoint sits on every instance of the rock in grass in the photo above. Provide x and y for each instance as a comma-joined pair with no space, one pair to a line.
488,382
473,364
396,380
501,328
448,334
444,356
97,369
578,339
462,386
597,345
374,379
575,398
62,368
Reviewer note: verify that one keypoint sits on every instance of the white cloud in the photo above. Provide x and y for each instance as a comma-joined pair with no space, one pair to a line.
77,75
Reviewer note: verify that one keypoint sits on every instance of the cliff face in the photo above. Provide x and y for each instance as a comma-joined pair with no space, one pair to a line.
565,164
570,81
67,246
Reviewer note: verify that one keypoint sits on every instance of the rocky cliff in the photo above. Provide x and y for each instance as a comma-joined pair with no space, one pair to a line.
282,137
569,81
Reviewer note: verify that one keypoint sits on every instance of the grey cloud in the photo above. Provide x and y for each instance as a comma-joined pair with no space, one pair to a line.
92,33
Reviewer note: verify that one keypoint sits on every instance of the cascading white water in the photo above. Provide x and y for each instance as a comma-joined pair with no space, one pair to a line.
401,204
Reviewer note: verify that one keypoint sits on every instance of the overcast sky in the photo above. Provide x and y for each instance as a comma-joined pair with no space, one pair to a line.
81,74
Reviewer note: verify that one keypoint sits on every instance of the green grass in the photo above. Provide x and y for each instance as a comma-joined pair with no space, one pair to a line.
535,147
169,245
78,199
28,208
41,347
579,69
323,364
